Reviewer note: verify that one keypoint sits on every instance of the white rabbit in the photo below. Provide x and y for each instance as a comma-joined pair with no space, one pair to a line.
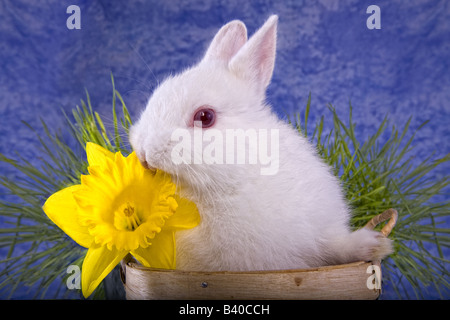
294,218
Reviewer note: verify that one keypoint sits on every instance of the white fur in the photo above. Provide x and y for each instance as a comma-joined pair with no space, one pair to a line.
297,218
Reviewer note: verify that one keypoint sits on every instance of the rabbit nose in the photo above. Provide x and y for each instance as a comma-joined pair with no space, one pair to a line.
145,164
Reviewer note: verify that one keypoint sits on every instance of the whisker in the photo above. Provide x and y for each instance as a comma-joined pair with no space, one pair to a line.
143,60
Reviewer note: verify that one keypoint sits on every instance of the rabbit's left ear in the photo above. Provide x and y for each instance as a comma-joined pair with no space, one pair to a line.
256,59
228,40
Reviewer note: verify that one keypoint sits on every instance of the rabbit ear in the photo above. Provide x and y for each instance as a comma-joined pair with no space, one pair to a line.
227,42
256,59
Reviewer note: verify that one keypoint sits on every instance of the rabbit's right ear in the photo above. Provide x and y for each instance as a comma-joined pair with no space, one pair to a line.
227,42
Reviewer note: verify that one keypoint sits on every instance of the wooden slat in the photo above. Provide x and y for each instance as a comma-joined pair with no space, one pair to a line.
347,281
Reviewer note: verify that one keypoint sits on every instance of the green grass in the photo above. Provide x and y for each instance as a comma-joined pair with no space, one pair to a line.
376,174
48,250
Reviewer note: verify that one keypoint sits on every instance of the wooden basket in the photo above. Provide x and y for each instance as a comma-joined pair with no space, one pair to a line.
358,280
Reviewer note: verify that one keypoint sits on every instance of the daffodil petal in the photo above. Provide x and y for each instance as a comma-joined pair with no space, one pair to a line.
97,155
185,217
97,264
161,252
62,209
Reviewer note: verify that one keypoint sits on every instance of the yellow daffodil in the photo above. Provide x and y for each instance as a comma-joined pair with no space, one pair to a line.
120,208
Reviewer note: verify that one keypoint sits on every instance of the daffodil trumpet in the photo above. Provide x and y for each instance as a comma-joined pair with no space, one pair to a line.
119,208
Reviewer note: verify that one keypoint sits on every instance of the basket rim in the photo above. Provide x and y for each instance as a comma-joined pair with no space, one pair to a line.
130,262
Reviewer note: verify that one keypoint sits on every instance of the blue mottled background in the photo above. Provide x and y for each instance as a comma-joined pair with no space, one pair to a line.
324,47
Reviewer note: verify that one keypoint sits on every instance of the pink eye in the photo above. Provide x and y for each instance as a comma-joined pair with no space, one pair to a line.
205,116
